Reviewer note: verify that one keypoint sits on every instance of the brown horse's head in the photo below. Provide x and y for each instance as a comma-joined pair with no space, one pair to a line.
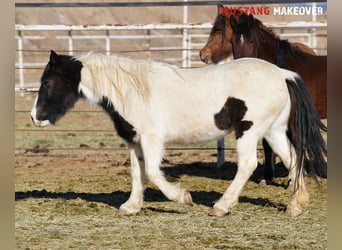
244,39
250,38
218,47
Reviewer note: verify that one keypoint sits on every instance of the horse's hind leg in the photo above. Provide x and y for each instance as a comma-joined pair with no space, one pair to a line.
153,152
284,149
247,163
134,204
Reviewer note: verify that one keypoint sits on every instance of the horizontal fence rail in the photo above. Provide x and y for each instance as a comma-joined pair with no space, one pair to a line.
109,33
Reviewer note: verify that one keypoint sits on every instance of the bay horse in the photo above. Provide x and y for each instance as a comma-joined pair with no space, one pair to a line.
152,103
219,48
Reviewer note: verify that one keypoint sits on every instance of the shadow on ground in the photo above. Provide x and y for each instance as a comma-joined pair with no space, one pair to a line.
200,169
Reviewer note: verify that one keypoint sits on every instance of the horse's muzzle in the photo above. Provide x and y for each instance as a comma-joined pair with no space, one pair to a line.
33,114
204,58
40,123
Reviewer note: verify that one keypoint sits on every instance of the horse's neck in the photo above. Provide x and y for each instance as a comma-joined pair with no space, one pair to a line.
266,47
112,77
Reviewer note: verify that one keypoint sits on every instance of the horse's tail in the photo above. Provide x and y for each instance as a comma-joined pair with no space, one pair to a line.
305,131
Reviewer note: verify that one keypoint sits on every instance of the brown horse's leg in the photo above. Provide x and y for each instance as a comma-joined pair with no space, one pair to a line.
269,162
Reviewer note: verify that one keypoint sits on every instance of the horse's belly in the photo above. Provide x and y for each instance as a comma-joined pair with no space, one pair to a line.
194,133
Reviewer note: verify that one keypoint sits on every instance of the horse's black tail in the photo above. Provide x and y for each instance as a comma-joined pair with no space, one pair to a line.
305,131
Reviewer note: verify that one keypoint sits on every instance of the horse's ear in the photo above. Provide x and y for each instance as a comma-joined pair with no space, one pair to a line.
219,9
53,57
250,20
233,23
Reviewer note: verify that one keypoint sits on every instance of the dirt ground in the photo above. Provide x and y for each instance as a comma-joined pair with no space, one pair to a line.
70,200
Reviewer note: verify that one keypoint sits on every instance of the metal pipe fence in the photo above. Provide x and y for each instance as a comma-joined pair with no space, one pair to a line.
154,34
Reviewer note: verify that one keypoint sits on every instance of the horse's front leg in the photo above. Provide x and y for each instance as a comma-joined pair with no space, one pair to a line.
153,152
135,202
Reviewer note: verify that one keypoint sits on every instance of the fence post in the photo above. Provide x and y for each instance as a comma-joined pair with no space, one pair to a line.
20,60
185,37
107,43
70,45
148,45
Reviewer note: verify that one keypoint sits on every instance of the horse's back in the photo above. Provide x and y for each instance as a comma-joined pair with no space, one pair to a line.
185,105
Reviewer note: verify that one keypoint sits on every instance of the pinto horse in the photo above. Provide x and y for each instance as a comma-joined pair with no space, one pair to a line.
219,48
152,103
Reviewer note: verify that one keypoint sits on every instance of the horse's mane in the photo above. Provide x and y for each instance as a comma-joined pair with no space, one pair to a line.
112,75
283,47
264,28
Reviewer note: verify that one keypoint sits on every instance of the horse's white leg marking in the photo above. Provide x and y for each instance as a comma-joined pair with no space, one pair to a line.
284,149
241,40
135,202
247,163
153,152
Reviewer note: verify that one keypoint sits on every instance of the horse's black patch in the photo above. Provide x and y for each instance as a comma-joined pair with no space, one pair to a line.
231,115
124,128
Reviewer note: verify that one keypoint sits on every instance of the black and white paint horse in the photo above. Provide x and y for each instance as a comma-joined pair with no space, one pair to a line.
152,103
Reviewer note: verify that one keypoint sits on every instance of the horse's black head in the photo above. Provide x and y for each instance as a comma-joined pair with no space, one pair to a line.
242,38
58,91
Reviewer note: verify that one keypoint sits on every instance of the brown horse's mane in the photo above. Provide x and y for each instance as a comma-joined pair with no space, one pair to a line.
261,26
283,46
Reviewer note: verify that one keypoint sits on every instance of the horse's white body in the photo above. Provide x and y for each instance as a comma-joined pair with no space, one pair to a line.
165,103
181,103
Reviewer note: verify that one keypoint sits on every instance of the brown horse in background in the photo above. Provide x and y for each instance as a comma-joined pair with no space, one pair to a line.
219,47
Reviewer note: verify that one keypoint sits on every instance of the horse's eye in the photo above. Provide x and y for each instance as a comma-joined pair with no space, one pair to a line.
45,83
51,66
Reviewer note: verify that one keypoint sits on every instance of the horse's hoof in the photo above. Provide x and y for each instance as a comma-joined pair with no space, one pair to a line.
266,182
188,199
289,185
124,211
293,211
217,212
263,182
